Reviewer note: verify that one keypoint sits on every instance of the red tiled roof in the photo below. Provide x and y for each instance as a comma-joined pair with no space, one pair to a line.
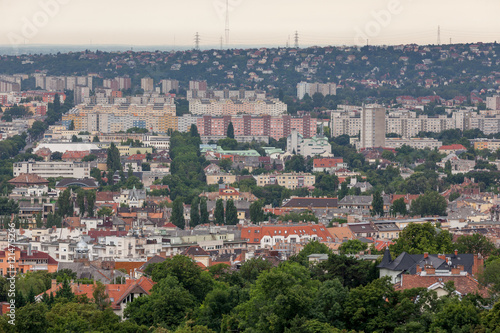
254,234
464,284
28,178
453,147
136,157
105,196
327,162
74,155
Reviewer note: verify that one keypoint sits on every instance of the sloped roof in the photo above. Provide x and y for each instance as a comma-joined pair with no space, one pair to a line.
28,178
83,182
464,284
195,251
311,202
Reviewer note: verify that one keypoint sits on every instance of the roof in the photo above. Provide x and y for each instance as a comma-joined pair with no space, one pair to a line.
254,234
154,260
105,196
464,284
195,251
408,262
311,202
341,233
28,178
455,146
327,162
82,182
75,155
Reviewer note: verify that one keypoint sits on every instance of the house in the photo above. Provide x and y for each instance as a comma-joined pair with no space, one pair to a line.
266,236
454,148
363,229
462,283
21,261
74,156
28,180
198,255
227,192
329,165
432,264
362,186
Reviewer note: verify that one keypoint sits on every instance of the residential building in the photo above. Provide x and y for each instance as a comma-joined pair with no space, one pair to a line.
14,259
415,143
289,180
372,127
168,85
226,107
329,165
53,169
324,89
493,103
266,236
454,148
247,125
147,84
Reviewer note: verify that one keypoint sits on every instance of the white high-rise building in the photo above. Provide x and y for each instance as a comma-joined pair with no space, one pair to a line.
372,126
147,84
493,103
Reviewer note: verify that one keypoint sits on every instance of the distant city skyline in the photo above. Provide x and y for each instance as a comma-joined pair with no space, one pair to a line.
251,23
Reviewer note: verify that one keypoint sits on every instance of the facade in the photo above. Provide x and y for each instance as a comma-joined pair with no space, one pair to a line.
324,89
168,85
491,144
53,169
116,117
23,261
275,127
118,83
329,165
226,107
147,84
289,180
372,127
493,103
317,145
416,143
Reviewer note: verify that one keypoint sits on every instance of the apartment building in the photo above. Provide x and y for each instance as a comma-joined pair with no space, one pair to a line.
491,144
247,125
225,107
59,83
53,169
324,89
226,94
7,86
147,84
120,117
416,143
118,83
168,85
372,127
493,103
289,180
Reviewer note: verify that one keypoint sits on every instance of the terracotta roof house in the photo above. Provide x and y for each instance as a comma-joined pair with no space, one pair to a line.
27,180
74,156
464,284
454,148
269,235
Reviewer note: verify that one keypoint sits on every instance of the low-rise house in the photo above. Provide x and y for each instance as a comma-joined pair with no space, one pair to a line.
23,261
329,165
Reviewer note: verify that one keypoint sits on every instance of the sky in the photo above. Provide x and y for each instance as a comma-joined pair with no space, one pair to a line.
251,22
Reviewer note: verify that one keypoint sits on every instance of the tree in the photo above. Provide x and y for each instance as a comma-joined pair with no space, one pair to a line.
475,244
421,238
256,212
231,213
91,197
177,216
377,204
99,295
113,160
225,164
80,201
219,212
230,130
204,216
95,139
399,207
72,126
105,211
297,164
428,204
65,204
353,246
56,156
194,213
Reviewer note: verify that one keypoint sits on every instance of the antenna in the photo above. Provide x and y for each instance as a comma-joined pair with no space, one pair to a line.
450,40
197,41
221,42
227,23
296,39
439,36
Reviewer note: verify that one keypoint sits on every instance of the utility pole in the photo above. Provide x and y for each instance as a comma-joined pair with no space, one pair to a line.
227,23
197,41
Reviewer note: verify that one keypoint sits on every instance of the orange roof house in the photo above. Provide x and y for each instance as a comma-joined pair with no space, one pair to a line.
451,148
270,235
27,180
74,156
118,294
25,261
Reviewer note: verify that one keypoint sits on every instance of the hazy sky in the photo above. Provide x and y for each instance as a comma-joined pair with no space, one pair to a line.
251,22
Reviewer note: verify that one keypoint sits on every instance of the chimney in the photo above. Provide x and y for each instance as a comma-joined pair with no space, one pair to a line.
426,255
419,269
430,270
53,283
456,252
455,271
478,265
441,256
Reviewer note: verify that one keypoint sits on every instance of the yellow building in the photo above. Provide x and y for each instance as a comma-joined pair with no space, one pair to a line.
289,180
127,150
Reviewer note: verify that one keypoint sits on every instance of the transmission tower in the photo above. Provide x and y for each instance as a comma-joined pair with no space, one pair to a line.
296,39
221,40
439,36
227,23
197,41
